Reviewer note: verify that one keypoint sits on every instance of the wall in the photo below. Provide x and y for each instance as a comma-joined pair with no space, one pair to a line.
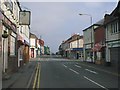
32,42
109,35
87,36
99,34
0,51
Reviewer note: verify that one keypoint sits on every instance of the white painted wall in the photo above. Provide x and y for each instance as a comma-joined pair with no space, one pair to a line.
26,31
87,36
76,44
32,42
32,45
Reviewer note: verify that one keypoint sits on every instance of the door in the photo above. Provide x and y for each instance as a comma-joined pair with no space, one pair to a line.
114,56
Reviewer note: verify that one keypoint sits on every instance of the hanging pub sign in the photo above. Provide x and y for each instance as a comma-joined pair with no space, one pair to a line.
24,17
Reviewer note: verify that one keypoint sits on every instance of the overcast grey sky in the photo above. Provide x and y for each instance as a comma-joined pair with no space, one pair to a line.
57,21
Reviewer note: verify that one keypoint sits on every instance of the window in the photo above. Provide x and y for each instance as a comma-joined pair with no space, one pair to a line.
12,45
21,29
114,28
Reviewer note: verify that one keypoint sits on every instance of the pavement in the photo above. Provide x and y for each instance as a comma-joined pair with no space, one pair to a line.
21,76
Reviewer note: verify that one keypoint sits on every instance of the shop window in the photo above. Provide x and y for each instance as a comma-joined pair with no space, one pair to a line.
21,54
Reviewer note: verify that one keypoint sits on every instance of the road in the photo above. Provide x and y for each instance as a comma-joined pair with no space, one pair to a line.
73,74
64,73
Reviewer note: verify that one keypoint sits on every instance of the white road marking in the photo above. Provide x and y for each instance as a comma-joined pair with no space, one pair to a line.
91,71
78,66
95,83
73,71
65,66
77,63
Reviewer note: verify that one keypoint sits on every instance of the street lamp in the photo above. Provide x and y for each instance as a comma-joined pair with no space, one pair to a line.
91,28
89,16
78,45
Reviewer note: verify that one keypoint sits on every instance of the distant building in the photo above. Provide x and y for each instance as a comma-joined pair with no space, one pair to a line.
46,50
38,47
33,45
72,47
76,47
41,46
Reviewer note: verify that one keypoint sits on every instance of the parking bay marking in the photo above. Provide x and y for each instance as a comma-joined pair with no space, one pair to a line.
65,66
95,83
91,71
78,66
73,71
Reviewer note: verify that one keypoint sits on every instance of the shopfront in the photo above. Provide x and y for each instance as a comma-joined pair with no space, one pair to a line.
10,45
113,53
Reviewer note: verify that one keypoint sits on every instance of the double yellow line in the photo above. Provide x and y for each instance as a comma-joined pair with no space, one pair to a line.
36,83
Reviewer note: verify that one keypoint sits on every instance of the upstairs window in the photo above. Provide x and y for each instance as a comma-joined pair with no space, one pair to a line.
114,28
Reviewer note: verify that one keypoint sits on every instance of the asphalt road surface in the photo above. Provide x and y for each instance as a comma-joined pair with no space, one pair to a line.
63,73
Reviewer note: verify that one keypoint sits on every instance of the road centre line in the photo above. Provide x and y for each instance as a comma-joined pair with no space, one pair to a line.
91,71
78,66
73,71
28,85
38,84
95,83
35,80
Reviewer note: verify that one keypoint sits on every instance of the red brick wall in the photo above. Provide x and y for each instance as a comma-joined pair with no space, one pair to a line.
41,42
99,34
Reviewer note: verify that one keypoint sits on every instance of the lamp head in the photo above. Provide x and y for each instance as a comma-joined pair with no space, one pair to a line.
80,14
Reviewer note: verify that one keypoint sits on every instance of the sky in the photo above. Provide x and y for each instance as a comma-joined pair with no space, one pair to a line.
57,21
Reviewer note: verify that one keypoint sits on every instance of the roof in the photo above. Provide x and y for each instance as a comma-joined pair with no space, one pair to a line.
99,23
113,16
116,11
32,35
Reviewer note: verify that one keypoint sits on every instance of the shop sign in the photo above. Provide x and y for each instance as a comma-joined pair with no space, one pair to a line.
10,24
13,34
7,21
24,17
114,44
88,46
13,27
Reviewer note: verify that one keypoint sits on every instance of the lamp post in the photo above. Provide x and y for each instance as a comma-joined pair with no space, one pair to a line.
91,30
4,36
78,46
89,16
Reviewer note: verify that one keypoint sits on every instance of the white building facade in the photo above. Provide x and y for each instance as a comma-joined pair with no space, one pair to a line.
33,46
9,24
